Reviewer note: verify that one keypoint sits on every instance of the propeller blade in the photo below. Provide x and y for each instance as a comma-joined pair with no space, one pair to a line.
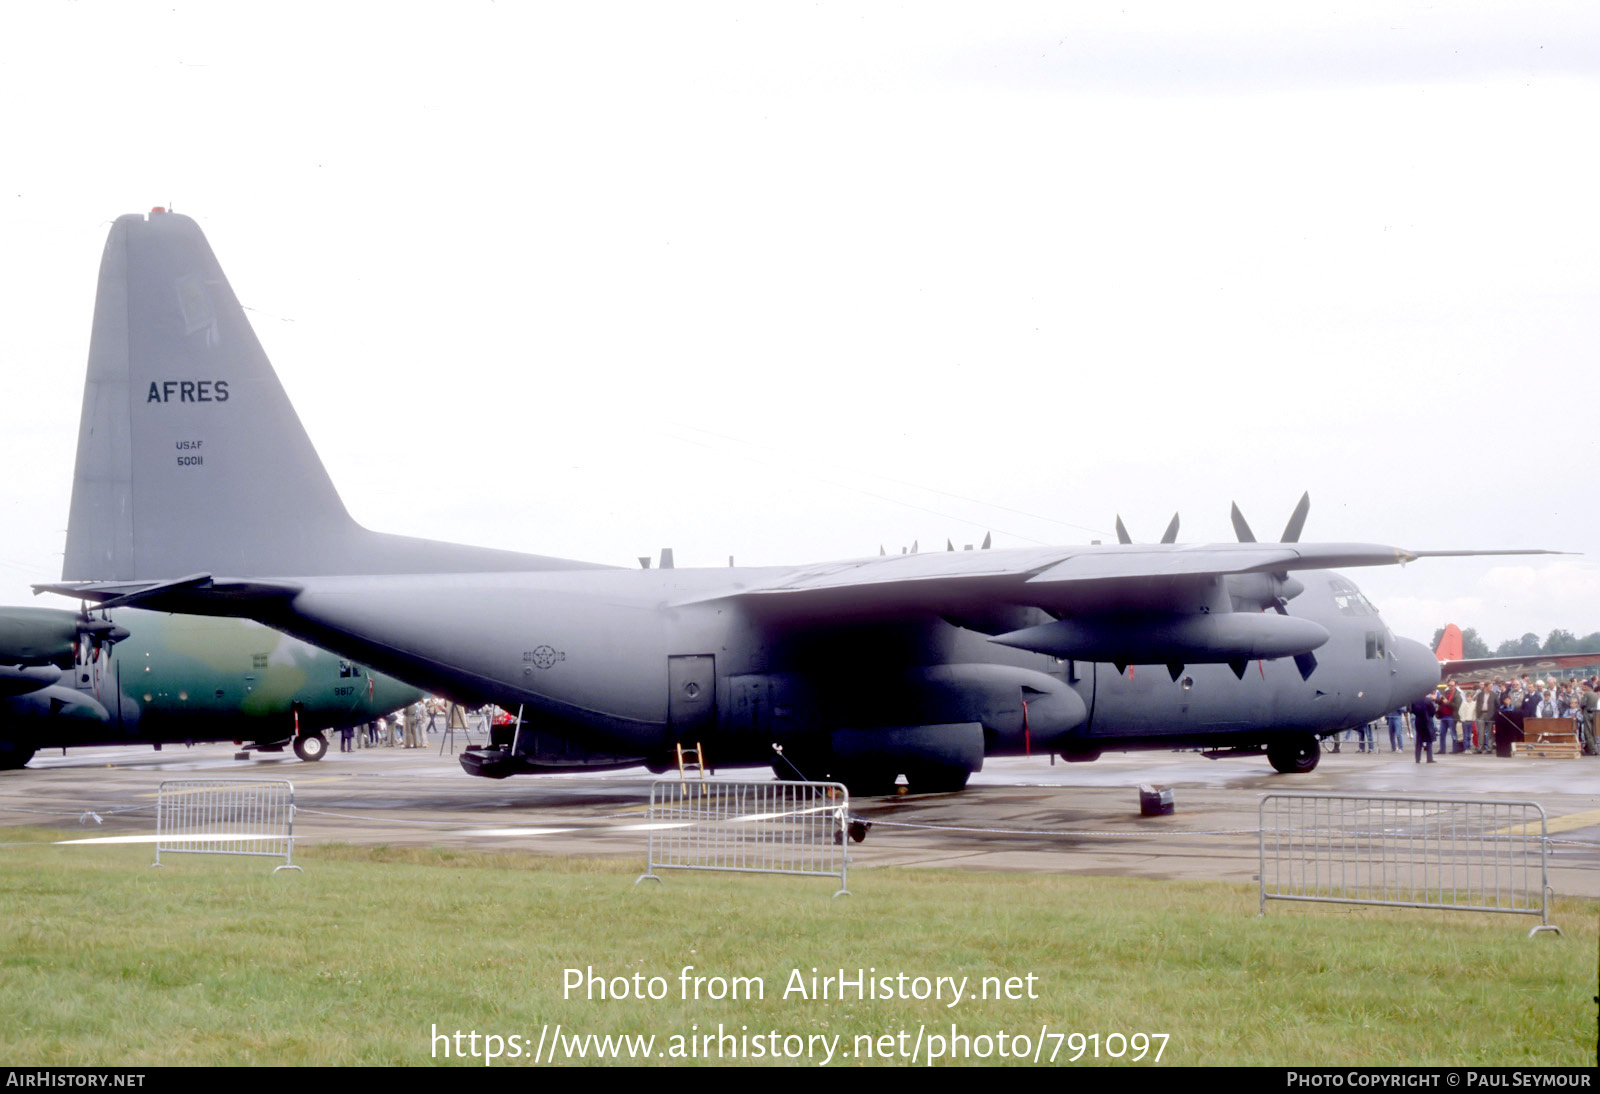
1306,663
1122,531
1297,519
1240,527
102,633
1171,534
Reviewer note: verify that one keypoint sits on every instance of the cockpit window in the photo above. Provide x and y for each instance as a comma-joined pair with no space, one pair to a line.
1349,600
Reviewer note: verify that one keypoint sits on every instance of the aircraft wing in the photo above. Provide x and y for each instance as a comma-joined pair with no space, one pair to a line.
1486,668
1140,604
1060,578
1125,604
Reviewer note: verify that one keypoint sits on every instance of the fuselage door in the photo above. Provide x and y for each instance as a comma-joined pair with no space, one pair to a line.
691,695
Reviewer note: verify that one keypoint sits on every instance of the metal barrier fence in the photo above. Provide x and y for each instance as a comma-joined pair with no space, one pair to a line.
755,827
1456,853
226,817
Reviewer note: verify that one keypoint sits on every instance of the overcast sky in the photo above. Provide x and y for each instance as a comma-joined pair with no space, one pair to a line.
790,281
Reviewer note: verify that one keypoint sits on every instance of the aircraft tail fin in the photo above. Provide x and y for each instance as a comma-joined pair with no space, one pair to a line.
190,456
1450,646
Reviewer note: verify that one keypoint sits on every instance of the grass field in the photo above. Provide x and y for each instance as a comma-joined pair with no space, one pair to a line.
371,951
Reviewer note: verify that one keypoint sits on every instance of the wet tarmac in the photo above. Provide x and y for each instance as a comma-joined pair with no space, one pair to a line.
1016,815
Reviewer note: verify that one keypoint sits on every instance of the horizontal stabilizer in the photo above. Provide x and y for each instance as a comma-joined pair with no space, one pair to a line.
198,594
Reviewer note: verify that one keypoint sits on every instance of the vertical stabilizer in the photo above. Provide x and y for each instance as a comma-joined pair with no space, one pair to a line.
188,448
1451,646
190,456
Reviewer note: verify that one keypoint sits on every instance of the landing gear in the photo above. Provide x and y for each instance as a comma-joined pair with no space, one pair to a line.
862,779
310,747
1294,753
930,778
866,781
13,755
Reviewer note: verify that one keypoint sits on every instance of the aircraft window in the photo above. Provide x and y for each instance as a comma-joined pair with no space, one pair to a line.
1349,600
1375,645
346,669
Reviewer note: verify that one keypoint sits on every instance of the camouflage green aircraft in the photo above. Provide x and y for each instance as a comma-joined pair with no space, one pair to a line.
198,490
68,680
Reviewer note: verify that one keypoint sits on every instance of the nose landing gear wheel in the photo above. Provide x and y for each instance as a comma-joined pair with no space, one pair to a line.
310,747
1294,754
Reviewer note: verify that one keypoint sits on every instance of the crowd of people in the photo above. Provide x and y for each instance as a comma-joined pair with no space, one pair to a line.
408,728
1487,716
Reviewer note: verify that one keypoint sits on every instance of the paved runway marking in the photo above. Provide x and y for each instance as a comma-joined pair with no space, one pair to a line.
297,782
1556,824
655,827
235,837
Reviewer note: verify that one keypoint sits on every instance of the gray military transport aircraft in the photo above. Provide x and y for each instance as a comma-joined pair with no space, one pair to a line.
198,490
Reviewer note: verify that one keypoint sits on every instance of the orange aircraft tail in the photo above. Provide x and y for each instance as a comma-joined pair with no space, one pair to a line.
1450,644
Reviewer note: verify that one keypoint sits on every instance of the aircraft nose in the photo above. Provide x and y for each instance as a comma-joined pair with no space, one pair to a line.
1416,672
390,694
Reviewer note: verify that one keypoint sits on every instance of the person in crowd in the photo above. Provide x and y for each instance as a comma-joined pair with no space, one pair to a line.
1422,715
1397,729
1467,718
1444,702
1588,708
1549,704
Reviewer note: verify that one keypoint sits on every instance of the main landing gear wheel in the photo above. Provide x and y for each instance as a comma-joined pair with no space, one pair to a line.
310,747
866,780
1295,754
13,755
931,778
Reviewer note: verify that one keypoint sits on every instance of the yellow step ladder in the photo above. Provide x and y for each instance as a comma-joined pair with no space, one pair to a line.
691,759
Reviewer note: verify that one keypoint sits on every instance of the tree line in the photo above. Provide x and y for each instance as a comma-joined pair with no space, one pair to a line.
1557,641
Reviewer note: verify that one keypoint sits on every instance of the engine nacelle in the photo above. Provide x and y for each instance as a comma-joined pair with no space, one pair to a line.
55,715
20,680
1151,639
38,636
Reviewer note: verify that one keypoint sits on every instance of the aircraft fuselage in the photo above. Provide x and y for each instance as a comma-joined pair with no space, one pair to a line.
610,666
186,678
